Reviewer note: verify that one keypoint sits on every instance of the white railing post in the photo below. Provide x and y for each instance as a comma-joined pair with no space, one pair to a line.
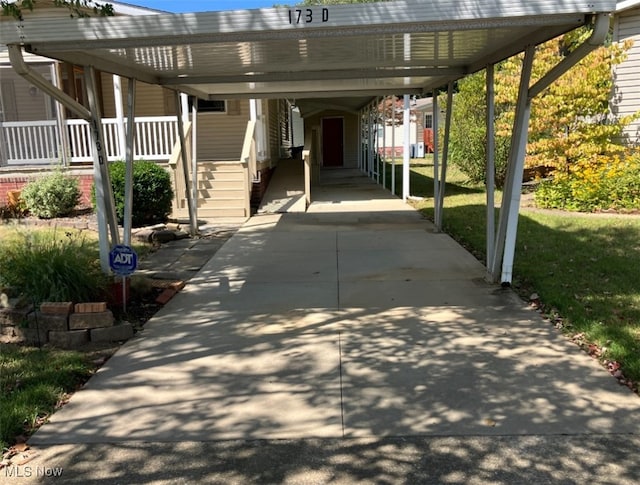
121,138
38,142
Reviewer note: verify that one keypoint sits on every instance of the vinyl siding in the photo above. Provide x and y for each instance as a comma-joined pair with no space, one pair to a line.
151,100
273,129
626,100
27,103
220,135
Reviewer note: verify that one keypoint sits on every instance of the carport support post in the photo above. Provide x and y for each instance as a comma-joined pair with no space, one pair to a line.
406,129
106,213
193,222
128,180
504,250
376,147
383,158
436,161
370,142
445,155
491,169
194,156
393,145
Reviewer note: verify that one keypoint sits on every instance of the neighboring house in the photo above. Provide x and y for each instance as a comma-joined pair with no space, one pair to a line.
37,133
391,136
626,96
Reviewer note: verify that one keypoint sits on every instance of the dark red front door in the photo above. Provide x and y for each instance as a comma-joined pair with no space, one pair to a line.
332,142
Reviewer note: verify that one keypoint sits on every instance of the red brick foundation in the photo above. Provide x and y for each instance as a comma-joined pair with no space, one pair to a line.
12,182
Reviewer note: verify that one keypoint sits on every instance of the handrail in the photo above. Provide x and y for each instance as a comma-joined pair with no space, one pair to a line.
248,153
175,151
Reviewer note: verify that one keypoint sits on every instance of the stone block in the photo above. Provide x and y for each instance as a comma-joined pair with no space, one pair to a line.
15,316
144,235
56,307
79,321
48,321
93,307
163,236
72,339
117,333
31,336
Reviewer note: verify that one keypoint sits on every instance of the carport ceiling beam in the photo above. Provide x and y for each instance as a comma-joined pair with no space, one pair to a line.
262,93
316,75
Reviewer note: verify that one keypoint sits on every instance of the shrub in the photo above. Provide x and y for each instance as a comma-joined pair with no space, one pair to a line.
604,183
53,195
51,266
152,192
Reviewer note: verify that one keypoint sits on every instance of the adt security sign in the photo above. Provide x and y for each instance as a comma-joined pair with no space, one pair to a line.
123,260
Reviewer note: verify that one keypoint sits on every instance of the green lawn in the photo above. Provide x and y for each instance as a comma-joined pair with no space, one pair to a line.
32,383
585,268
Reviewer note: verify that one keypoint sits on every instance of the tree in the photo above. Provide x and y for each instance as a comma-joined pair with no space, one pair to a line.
570,123
77,8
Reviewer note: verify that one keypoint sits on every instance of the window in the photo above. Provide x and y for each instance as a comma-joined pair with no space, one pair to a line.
428,121
212,106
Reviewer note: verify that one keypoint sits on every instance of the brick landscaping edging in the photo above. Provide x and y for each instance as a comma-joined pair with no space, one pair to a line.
57,324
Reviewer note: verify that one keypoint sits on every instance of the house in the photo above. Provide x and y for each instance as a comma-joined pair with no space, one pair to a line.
37,133
626,95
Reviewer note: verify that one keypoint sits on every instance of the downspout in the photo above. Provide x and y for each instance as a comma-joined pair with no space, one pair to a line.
21,68
595,40
65,151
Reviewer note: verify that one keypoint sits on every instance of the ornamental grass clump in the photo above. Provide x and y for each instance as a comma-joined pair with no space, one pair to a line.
51,265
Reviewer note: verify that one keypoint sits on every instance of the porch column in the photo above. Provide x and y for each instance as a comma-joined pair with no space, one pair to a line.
65,151
117,95
255,114
193,221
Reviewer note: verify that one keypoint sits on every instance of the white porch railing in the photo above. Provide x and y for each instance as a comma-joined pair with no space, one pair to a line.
40,142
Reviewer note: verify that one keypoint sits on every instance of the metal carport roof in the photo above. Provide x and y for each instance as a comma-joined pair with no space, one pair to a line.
346,55
342,51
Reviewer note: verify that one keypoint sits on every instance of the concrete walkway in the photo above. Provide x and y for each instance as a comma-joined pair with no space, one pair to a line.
348,344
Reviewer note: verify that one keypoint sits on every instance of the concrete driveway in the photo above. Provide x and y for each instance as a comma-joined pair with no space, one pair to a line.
348,344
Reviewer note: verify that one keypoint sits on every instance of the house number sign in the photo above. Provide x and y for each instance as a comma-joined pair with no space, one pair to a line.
308,16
